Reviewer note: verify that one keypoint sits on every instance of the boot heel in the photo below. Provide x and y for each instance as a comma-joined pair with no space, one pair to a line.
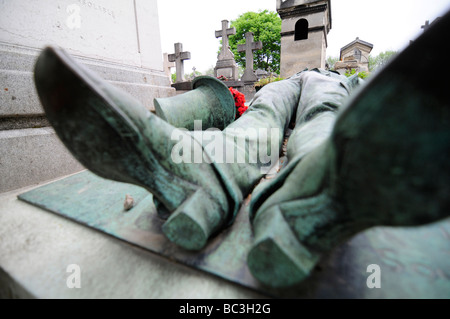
277,259
194,221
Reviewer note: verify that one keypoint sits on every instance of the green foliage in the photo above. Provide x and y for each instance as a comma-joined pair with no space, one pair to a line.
188,77
268,80
362,75
379,61
266,27
350,73
191,75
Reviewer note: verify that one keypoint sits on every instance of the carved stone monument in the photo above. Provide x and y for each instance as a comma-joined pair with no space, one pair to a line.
226,65
248,48
354,56
119,39
181,84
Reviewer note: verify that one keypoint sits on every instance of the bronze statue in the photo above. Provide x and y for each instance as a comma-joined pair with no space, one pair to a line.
377,156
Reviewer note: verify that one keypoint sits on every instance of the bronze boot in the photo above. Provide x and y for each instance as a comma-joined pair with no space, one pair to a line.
115,137
384,163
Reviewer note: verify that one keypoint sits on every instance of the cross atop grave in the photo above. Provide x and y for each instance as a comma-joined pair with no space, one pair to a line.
248,48
226,66
426,25
225,52
178,57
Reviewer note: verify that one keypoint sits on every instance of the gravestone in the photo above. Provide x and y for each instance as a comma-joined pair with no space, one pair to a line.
226,65
117,39
260,74
181,85
248,48
179,57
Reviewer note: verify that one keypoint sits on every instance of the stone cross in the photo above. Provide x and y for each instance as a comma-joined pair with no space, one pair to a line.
426,25
248,48
178,57
225,53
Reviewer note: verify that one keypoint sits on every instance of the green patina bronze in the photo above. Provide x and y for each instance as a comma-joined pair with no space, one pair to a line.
411,259
378,156
384,163
209,102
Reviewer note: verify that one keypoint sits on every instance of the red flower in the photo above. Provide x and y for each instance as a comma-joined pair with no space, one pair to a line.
239,102
241,111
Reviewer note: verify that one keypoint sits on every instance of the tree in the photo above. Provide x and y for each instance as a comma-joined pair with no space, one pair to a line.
379,61
266,27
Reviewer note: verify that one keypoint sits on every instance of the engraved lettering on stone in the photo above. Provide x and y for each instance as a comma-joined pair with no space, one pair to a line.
95,6
74,19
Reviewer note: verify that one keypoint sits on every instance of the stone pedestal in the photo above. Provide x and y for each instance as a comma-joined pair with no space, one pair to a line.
249,91
182,87
247,88
37,248
119,40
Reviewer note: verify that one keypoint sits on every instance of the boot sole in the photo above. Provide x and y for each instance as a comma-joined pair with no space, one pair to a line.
277,259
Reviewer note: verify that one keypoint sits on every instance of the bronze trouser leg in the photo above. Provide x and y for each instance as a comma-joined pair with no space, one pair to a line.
312,97
384,163
322,94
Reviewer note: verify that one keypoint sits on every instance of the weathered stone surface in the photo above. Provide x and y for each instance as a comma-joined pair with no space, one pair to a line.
119,40
248,48
178,57
296,55
30,156
37,247
125,32
354,56
226,65
18,94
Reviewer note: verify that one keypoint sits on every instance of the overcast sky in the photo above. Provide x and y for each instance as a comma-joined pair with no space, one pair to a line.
387,24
